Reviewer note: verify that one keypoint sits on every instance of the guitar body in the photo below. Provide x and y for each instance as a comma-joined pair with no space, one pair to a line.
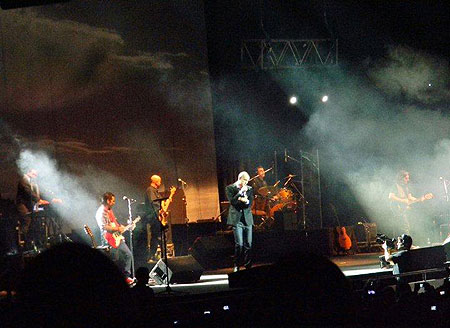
344,240
164,211
116,237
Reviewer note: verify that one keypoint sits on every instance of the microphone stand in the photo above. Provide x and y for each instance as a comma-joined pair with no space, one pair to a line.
130,221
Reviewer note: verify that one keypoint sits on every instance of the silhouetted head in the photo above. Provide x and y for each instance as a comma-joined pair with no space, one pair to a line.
72,285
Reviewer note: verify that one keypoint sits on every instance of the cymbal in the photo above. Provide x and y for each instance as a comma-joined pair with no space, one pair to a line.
264,191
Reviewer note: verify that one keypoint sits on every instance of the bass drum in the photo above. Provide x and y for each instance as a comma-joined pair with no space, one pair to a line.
291,205
285,195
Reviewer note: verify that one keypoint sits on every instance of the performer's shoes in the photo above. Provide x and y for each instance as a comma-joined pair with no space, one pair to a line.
236,269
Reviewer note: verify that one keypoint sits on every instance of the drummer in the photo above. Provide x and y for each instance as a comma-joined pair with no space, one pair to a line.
259,181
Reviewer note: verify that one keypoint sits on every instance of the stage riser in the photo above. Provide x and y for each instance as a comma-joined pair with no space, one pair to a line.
214,252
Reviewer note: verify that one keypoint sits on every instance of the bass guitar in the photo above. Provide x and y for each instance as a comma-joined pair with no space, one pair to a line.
116,237
164,211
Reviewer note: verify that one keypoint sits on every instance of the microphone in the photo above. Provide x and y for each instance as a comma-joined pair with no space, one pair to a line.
130,199
285,155
182,181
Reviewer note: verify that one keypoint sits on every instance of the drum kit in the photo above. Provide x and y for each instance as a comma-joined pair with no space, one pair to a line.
271,199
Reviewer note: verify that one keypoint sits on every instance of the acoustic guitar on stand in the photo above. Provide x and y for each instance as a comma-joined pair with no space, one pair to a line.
345,243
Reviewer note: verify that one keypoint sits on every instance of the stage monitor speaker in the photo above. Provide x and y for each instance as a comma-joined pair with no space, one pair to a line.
181,269
446,246
423,259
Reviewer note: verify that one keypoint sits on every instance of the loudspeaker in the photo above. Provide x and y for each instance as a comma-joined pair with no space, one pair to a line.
214,252
177,208
181,269
366,233
422,259
446,246
285,220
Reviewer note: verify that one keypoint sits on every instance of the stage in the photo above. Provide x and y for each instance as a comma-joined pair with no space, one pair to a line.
358,268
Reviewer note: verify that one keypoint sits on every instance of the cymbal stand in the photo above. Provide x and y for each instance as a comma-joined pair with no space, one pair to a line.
316,165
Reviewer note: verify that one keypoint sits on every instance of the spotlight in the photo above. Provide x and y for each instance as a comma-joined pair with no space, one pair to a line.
430,85
293,100
325,98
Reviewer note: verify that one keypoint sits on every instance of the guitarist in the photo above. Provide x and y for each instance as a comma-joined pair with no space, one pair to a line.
108,225
156,212
401,200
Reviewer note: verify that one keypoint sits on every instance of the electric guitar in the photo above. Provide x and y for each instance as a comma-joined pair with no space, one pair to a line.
116,237
91,235
163,212
401,207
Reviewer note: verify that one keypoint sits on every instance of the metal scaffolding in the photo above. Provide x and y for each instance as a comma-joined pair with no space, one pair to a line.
266,54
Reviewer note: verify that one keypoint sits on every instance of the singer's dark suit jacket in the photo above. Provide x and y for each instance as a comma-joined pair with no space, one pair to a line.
238,208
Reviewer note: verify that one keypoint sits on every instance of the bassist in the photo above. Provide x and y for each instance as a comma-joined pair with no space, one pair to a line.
109,226
156,212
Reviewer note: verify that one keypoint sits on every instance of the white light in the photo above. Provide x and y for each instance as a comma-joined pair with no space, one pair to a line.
226,307
429,84
207,312
293,100
325,98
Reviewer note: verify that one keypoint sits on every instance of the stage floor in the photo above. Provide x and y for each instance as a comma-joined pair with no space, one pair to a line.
356,266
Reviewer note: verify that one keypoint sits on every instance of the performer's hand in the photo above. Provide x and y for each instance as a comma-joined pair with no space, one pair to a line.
121,229
244,199
43,202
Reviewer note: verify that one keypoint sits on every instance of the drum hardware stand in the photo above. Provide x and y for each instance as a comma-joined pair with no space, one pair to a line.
265,171
316,165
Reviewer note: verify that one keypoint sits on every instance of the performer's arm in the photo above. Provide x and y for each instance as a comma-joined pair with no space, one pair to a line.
394,197
387,255
109,226
27,187
413,199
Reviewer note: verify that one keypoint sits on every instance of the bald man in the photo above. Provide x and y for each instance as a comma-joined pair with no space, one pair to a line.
151,217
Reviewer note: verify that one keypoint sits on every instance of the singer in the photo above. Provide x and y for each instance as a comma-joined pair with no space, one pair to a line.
240,218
